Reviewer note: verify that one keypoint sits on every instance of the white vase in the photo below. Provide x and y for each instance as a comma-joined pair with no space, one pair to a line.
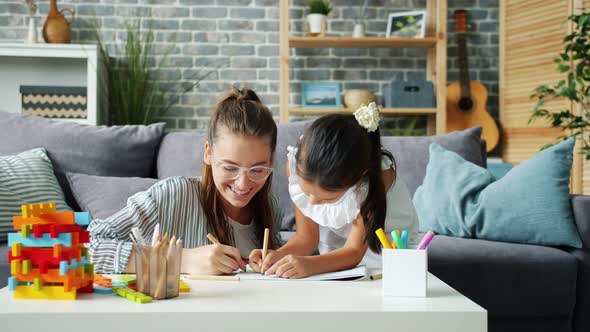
358,31
32,36
316,23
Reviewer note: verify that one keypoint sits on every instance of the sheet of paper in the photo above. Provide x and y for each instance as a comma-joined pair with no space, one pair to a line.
356,273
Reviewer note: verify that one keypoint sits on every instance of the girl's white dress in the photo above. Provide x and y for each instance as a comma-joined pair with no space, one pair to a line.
335,219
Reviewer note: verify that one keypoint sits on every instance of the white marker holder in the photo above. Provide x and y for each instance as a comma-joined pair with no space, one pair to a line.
405,272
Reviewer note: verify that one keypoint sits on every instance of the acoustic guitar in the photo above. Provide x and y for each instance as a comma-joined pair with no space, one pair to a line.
466,99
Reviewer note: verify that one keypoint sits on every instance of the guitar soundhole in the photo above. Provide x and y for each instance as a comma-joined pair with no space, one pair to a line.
465,104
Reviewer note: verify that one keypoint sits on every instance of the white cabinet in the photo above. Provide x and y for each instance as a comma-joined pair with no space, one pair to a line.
51,65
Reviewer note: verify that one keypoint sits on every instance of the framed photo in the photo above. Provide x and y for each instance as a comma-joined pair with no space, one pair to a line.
321,95
406,24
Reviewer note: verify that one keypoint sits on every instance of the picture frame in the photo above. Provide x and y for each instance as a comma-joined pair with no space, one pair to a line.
321,95
411,24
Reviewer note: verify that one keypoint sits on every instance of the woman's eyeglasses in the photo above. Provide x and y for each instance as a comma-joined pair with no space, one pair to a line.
231,172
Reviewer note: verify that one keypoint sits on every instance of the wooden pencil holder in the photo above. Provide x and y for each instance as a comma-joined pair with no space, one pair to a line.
405,272
157,271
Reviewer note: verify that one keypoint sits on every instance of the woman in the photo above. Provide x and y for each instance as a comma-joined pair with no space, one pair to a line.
232,201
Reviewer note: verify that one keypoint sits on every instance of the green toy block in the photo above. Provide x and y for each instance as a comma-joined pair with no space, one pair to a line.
26,267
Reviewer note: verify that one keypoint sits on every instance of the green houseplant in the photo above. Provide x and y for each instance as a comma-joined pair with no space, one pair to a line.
132,81
574,63
316,19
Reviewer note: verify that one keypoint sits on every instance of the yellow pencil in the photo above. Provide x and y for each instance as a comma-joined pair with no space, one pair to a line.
383,238
207,277
376,276
264,246
213,239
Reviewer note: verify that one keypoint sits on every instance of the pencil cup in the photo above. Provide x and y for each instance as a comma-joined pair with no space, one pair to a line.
405,272
158,271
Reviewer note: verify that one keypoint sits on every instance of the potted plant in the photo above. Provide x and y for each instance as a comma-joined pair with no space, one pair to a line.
316,19
131,79
574,63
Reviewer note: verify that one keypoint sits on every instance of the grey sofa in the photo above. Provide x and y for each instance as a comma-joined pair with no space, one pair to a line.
523,287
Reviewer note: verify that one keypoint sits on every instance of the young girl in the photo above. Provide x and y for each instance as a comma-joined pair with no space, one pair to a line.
344,186
232,201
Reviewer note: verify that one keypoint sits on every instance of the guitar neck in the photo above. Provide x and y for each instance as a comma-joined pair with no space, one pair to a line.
463,71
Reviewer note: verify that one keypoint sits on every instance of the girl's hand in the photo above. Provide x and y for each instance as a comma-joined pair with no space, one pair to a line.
291,267
256,262
214,259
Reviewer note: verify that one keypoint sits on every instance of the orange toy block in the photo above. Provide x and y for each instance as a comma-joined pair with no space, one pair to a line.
57,218
51,276
57,249
35,210
102,281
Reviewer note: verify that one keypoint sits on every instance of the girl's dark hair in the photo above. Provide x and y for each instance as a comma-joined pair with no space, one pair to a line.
241,112
336,153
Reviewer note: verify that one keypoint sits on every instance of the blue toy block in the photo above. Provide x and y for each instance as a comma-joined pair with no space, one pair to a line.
65,239
103,290
63,267
12,283
82,218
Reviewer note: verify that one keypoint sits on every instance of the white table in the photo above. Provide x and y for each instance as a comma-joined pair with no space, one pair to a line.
277,306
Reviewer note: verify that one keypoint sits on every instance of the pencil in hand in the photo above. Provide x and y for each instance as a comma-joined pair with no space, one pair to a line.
213,239
264,247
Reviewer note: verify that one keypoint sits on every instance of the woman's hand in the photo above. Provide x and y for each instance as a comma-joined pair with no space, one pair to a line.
291,267
214,259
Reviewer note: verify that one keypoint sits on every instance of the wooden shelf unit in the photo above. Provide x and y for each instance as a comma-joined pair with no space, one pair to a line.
389,111
435,42
366,42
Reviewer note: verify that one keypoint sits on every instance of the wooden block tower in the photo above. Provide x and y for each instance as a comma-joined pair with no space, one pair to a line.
47,257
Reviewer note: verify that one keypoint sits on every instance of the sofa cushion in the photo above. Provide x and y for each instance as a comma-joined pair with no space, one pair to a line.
530,204
181,154
509,280
102,196
73,147
411,152
4,267
26,178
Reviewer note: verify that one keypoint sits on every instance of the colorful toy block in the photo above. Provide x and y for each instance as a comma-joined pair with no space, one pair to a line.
44,241
132,295
47,257
126,280
103,290
35,210
102,281
183,287
46,293
82,218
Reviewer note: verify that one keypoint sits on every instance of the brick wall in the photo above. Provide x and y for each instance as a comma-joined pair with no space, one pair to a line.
241,38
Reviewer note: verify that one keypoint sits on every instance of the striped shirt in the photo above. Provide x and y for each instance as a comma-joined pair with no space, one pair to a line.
173,203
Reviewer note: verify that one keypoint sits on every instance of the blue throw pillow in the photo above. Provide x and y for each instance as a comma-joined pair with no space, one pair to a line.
26,178
530,204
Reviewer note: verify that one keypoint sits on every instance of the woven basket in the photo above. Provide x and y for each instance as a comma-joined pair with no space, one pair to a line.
63,102
353,98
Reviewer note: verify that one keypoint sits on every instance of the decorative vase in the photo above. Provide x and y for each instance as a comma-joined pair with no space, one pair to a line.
32,35
316,24
358,31
353,98
56,29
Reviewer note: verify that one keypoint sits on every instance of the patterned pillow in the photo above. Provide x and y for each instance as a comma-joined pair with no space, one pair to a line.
26,178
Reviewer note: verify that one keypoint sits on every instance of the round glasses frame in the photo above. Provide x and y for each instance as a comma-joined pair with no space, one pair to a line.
232,172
